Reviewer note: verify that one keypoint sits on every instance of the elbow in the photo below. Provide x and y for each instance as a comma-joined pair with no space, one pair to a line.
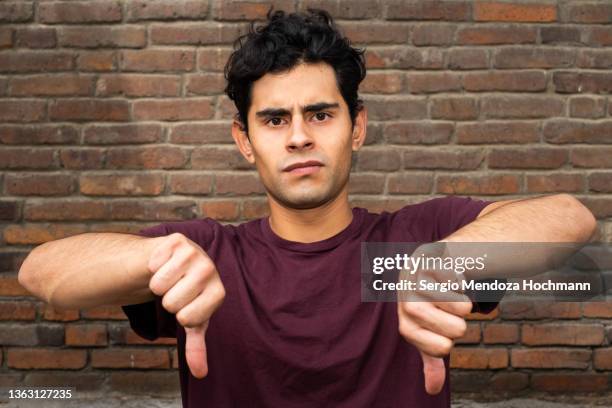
29,279
584,218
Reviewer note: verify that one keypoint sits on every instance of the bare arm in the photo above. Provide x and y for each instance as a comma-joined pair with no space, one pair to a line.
90,269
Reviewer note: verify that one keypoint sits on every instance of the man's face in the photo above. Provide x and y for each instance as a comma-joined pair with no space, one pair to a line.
295,117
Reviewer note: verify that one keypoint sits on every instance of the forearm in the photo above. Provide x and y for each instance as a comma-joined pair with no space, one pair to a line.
560,224
88,270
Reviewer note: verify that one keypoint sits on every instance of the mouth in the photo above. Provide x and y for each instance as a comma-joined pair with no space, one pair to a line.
308,167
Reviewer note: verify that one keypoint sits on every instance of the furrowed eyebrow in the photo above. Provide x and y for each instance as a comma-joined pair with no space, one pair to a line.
269,112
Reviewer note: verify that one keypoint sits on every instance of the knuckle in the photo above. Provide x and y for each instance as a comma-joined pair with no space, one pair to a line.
185,319
461,329
169,304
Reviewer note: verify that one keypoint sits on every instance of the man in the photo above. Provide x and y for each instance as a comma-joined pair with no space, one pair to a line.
269,313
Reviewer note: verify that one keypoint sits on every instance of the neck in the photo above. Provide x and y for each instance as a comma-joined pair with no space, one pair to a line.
313,224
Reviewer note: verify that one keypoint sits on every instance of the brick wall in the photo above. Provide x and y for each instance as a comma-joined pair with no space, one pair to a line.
112,117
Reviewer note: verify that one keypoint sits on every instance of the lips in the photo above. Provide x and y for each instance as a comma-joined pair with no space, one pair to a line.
310,163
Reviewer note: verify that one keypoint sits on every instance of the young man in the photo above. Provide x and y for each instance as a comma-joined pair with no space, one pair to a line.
269,313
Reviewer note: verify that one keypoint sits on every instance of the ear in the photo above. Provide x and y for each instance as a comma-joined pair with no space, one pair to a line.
359,130
242,141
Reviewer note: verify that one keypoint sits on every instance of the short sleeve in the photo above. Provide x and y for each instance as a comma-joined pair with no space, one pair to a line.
150,320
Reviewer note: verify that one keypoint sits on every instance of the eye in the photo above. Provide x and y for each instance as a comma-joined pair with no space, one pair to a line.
276,121
321,116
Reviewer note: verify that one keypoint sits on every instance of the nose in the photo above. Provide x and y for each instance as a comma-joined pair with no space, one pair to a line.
299,137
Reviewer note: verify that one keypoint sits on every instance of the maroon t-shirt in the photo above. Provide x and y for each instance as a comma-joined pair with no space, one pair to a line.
293,331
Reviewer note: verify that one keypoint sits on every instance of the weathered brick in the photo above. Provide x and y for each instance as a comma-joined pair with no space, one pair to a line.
531,310
560,35
555,183
52,85
133,133
150,157
345,9
490,185
378,159
455,108
222,210
427,158
104,312
493,132
156,60
598,35
589,13
370,32
174,210
509,381
475,35
600,182
248,10
591,157
10,210
575,131
49,313
471,336
82,381
219,158
428,35
38,184
27,234
124,335
213,59
578,82
478,358
417,132
123,36
190,183
366,183
562,334
508,107
38,134
32,335
534,57
121,184
130,358
467,58
550,358
79,12
238,184
201,33
201,133
89,110
500,333
521,81
138,85
255,208
403,57
410,183
597,310
97,61
173,109
532,158
382,83
86,335
82,158
21,110
592,58
17,310
36,61
16,11
26,158
154,383
498,11
569,382
9,285
440,10
6,37
433,82
39,37
46,358
65,209
602,358
139,10
587,107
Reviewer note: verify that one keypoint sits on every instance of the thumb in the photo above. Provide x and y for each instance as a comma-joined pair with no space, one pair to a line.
195,350
434,372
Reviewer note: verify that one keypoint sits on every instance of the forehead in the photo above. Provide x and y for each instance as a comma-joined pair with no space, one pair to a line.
302,85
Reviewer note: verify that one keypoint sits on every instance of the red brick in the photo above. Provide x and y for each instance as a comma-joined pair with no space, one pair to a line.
132,133
238,184
587,107
24,158
455,108
483,316
345,9
478,358
433,82
591,157
104,312
213,59
6,37
533,158
36,61
20,110
124,335
9,285
39,37
154,60
440,10
489,185
569,382
410,183
372,32
521,107
428,35
38,234
79,12
467,58
52,85
378,159
175,358
89,110
555,183
139,10
602,358
493,132
103,37
475,35
174,109
97,61
150,157
66,209
550,358
497,11
417,132
219,158
396,108
471,336
200,33
534,57
201,133
514,310
46,358
574,131
82,158
597,310
366,183
500,333
522,81
17,310
10,210
255,208
86,335
562,334
598,35
190,183
248,10
120,184
427,158
509,381
49,313
138,85
175,210
16,11
593,58
151,383
560,35
38,184
377,205
222,210
205,84
582,82
589,13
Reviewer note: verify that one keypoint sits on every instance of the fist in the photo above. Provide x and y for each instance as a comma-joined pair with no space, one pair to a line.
189,284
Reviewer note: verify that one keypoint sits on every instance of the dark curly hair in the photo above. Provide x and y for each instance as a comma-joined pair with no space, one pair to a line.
285,41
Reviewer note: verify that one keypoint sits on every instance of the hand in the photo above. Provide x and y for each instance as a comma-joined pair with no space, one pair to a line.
191,288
